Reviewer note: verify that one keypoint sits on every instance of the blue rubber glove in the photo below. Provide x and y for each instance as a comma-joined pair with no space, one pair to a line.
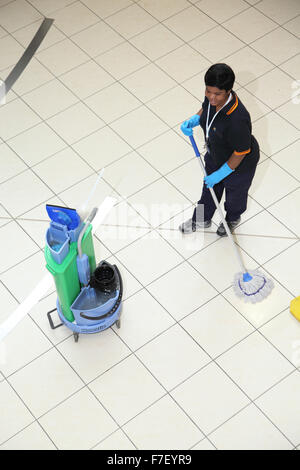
187,126
218,175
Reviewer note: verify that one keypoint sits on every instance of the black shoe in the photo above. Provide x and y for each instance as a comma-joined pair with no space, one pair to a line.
221,229
190,226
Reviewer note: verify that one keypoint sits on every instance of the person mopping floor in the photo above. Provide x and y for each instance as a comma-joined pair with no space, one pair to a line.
232,152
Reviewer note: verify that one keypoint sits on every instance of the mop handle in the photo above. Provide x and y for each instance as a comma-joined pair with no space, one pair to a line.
213,194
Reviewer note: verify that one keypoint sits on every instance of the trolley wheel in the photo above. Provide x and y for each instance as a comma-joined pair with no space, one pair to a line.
118,323
76,337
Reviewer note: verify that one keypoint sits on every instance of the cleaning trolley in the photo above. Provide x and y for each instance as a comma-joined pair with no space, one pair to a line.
89,296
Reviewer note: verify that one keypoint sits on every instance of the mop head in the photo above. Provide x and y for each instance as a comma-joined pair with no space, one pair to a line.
252,286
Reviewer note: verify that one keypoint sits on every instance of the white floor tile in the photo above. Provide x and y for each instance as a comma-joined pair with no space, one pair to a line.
287,46
210,398
14,414
131,21
35,265
49,6
37,144
167,362
9,304
62,57
64,160
3,33
249,25
205,444
290,111
281,404
74,18
45,382
174,106
156,42
193,292
31,438
25,35
148,82
273,9
122,60
163,9
284,268
97,39
163,426
284,332
127,389
273,88
286,210
77,194
112,102
166,152
255,106
158,202
30,343
187,245
190,23
116,441
248,65
15,245
218,264
86,79
102,148
16,117
82,358
292,67
50,99
138,327
217,44
139,126
11,52
121,175
249,430
257,238
78,423
117,237
188,179
255,365
35,76
274,133
271,183
16,15
223,12
11,164
217,326
106,7
293,26
39,314
75,123
183,63
17,193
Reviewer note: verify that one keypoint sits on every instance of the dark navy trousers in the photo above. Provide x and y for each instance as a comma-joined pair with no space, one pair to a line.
236,187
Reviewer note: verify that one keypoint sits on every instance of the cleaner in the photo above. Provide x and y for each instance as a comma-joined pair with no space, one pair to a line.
89,297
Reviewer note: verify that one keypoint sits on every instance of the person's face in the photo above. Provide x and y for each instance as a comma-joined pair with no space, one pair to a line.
215,96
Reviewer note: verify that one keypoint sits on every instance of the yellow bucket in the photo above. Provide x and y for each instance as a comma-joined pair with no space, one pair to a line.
295,307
